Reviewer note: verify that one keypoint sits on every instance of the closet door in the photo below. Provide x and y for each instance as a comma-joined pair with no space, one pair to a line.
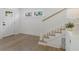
7,22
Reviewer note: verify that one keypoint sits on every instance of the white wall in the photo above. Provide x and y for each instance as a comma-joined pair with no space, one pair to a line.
34,25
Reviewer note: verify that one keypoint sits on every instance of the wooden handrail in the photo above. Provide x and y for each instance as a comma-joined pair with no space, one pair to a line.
54,14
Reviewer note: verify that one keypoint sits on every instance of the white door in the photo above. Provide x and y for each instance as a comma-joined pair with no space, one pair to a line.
7,23
68,40
8,27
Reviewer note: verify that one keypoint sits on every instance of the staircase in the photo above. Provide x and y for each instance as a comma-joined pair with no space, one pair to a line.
54,37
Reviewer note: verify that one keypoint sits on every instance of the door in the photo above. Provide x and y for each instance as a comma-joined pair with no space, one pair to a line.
8,27
68,40
6,23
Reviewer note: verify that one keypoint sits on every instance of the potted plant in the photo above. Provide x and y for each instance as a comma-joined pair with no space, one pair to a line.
69,26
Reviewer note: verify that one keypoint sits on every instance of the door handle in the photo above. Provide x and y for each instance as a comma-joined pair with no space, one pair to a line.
3,23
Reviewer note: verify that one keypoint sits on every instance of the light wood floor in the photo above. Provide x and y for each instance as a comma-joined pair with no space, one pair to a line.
22,42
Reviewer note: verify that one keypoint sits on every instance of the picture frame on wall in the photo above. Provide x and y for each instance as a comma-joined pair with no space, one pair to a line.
8,13
28,14
38,13
35,13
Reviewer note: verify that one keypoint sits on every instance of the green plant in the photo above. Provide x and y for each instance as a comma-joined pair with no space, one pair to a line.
69,25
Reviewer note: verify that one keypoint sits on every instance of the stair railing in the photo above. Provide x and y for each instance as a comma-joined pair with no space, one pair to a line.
54,14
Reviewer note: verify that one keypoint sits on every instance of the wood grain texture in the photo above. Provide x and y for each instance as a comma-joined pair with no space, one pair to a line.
24,42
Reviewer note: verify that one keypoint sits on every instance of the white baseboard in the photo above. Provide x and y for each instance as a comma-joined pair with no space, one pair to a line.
31,34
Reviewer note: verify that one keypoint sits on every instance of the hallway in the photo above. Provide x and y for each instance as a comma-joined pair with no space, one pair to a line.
23,42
